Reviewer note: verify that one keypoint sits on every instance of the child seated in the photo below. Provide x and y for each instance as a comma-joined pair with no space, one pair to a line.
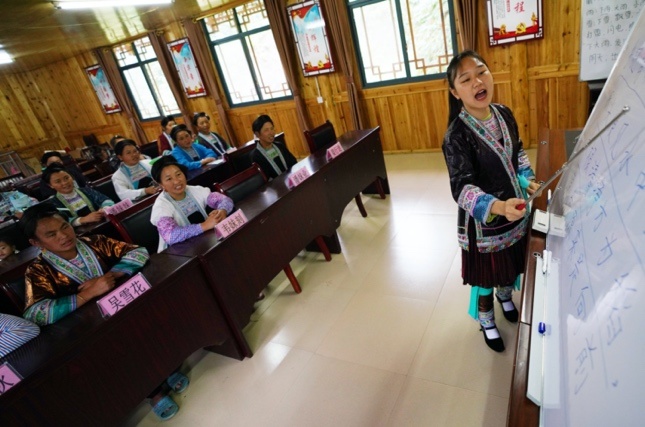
7,247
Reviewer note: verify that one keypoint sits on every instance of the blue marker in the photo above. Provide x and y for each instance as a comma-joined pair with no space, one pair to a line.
541,328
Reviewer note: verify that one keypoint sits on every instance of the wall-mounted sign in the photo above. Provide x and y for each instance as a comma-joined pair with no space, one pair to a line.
103,89
514,20
311,38
191,80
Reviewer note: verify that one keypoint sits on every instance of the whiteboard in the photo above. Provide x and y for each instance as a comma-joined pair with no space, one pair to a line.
604,26
594,362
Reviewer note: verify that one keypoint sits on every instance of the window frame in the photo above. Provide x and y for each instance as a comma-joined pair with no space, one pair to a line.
399,22
242,36
141,64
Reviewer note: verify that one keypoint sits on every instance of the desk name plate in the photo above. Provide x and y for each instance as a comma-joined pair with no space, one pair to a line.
120,297
334,151
118,208
231,224
297,177
8,377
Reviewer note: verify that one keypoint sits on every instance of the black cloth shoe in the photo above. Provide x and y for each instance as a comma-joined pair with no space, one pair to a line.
495,342
509,310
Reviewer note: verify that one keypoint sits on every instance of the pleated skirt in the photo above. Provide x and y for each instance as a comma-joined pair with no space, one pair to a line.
491,269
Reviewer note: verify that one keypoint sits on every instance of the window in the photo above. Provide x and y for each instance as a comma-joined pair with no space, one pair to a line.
145,80
246,55
401,41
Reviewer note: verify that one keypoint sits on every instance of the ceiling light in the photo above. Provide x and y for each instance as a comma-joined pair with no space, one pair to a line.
5,58
93,4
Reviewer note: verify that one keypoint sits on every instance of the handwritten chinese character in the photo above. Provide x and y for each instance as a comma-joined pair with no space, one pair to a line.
606,251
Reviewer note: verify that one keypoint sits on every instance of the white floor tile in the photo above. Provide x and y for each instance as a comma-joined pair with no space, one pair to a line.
380,336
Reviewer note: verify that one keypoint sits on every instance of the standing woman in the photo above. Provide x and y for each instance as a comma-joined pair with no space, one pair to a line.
273,157
82,205
132,179
205,137
191,155
489,175
183,211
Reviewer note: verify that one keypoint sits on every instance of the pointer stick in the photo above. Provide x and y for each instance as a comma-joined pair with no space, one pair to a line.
564,166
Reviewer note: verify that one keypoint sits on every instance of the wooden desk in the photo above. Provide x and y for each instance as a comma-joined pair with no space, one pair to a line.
352,171
209,174
85,370
281,222
105,227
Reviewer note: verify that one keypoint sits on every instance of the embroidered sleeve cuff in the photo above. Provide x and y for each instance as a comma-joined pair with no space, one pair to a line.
489,215
474,201
483,207
173,233
49,311
219,201
132,261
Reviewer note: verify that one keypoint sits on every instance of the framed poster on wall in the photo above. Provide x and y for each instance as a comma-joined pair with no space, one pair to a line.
103,89
182,56
311,38
514,20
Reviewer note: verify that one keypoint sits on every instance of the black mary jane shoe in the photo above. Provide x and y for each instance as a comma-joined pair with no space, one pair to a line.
495,343
509,310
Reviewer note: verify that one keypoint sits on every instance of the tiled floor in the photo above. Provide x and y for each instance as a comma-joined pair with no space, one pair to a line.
379,335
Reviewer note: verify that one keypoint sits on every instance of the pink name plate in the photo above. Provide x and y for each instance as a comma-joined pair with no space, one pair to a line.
119,207
120,297
334,151
231,224
297,177
8,377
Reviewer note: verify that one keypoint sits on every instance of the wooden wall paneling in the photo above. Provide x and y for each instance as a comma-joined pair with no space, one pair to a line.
61,93
10,132
54,106
284,119
417,113
438,118
318,113
26,120
520,87
379,114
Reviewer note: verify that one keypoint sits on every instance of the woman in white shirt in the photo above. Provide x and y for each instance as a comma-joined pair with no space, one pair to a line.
132,180
183,211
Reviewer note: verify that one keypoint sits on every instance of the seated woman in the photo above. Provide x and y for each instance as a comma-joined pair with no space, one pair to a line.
164,141
132,179
72,271
15,332
13,203
182,211
273,157
82,205
205,137
193,156
52,157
